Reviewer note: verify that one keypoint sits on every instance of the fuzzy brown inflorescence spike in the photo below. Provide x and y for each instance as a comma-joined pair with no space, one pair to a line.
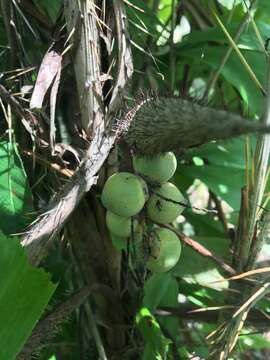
158,124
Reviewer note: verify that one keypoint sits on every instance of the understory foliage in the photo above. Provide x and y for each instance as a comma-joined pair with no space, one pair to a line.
74,76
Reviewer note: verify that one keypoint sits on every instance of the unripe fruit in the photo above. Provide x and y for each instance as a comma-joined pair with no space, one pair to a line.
119,225
124,194
165,250
120,243
159,168
165,211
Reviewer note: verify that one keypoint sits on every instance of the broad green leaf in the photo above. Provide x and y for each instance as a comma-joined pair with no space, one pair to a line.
170,298
221,159
15,194
263,11
156,344
162,290
235,73
165,10
201,296
248,38
201,351
50,8
253,342
155,288
217,179
204,224
223,153
24,293
197,268
149,352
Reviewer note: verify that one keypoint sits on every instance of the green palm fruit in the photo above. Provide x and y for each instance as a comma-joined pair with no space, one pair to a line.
165,250
160,209
159,168
124,194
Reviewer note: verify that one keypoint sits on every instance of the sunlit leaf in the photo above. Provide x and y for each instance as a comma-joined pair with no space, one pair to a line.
15,194
24,293
198,268
157,345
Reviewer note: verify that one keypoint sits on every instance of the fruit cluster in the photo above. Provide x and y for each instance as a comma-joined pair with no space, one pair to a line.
125,195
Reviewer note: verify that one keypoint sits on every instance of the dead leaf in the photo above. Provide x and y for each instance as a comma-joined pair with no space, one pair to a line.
50,66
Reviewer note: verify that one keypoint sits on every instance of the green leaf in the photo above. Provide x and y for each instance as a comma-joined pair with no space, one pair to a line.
253,342
248,39
15,194
204,225
24,293
155,288
162,290
149,353
263,11
196,46
170,298
197,268
49,8
214,176
228,153
142,23
235,73
157,345
220,159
